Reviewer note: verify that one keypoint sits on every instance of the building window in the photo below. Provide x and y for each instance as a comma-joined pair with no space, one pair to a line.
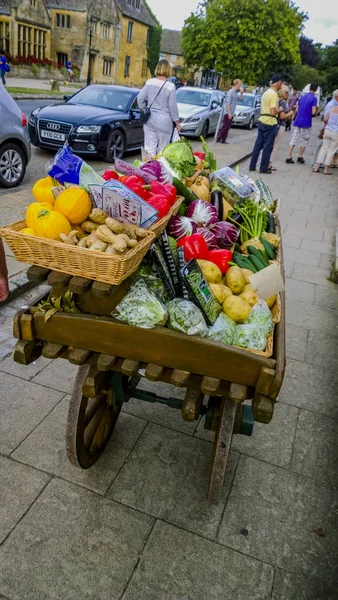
32,41
62,20
126,66
130,31
24,40
4,36
39,43
144,72
94,26
62,58
33,3
138,4
174,57
162,55
108,66
105,30
131,2
148,37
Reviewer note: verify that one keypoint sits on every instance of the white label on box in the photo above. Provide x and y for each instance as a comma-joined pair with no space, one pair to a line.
124,210
97,196
148,214
268,281
127,169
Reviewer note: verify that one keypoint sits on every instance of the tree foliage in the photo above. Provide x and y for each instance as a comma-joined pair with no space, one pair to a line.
309,53
250,39
301,75
154,43
328,66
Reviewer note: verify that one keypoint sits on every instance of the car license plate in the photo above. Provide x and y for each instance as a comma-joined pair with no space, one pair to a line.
53,135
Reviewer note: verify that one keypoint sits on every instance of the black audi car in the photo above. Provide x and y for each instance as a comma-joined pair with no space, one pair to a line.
99,120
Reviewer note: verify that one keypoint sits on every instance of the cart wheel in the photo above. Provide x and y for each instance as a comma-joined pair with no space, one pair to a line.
91,421
221,448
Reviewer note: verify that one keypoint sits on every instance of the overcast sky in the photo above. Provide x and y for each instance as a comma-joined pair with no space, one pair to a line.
322,25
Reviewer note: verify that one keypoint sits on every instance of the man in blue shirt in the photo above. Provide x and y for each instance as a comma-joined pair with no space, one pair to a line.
307,108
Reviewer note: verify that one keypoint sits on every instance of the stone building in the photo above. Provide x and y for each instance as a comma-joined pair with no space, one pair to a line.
60,31
171,41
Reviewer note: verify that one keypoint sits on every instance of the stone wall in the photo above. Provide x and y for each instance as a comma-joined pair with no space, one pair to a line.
25,72
137,50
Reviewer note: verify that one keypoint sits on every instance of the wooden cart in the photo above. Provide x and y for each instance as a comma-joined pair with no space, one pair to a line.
112,357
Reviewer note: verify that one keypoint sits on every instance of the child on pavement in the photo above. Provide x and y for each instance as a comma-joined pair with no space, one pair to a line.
302,125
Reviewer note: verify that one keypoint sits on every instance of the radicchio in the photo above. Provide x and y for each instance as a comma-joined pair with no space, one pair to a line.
181,226
226,234
202,212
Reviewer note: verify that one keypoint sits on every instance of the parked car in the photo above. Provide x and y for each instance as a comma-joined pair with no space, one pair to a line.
176,81
248,110
99,120
199,110
15,149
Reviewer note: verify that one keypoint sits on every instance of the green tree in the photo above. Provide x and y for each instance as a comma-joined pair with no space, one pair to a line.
328,66
154,43
301,75
250,39
309,53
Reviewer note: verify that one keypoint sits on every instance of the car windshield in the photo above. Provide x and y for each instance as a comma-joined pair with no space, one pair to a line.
246,100
196,98
112,98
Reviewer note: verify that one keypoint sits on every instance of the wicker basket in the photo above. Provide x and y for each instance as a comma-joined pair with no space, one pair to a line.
72,260
158,227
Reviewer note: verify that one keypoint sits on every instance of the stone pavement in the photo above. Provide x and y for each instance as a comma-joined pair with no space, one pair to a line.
137,525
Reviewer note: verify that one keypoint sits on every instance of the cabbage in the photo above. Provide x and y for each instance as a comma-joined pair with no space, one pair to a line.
141,308
250,336
186,317
180,226
209,236
226,234
202,212
180,157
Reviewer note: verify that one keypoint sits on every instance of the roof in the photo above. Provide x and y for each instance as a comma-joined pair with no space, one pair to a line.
143,15
171,42
6,5
79,5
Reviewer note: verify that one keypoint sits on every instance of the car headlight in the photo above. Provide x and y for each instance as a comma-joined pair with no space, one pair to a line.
32,120
193,120
88,129
244,114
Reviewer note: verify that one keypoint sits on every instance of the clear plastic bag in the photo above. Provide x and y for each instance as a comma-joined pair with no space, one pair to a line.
235,184
141,308
223,330
261,315
185,316
250,336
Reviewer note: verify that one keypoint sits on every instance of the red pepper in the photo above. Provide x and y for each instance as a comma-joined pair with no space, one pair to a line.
172,191
123,178
194,246
134,184
160,203
221,258
133,180
200,155
159,188
110,174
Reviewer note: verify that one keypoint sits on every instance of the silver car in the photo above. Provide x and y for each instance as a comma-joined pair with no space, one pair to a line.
199,110
248,111
15,148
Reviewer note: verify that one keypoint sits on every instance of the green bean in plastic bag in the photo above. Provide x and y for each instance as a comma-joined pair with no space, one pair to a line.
261,315
223,330
251,336
185,316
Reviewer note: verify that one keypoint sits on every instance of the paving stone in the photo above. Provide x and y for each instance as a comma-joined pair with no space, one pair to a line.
296,342
291,520
291,240
322,349
304,232
311,316
272,442
177,565
311,387
58,375
288,268
327,296
74,545
299,217
326,260
20,486
301,256
166,476
320,222
300,290
159,413
329,236
329,210
49,438
23,371
288,586
23,405
316,447
316,275
313,246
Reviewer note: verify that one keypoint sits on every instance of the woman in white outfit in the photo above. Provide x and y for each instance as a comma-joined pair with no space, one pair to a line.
159,95
330,141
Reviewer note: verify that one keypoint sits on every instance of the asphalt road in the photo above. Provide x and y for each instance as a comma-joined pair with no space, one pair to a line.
37,165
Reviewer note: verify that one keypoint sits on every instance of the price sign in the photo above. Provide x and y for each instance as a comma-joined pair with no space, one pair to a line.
127,169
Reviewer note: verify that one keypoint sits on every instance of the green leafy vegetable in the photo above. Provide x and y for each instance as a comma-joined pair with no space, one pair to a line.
223,330
250,336
186,317
180,158
141,308
255,219
261,315
53,305
210,160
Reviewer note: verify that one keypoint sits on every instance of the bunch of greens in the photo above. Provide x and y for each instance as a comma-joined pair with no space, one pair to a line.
255,219
223,330
180,158
210,160
261,315
149,276
141,308
250,336
186,317
53,305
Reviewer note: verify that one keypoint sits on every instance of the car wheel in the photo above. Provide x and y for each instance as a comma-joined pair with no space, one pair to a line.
12,165
116,146
205,130
251,123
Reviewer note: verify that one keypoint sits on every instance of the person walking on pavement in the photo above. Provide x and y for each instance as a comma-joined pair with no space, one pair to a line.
4,291
267,126
3,67
330,141
230,106
307,108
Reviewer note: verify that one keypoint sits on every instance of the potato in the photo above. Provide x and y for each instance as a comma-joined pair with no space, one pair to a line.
220,291
270,301
249,295
247,273
236,308
235,280
210,271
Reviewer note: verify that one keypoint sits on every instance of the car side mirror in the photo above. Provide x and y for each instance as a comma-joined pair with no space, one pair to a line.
214,105
66,98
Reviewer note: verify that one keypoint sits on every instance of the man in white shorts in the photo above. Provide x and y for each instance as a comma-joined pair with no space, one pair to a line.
307,108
